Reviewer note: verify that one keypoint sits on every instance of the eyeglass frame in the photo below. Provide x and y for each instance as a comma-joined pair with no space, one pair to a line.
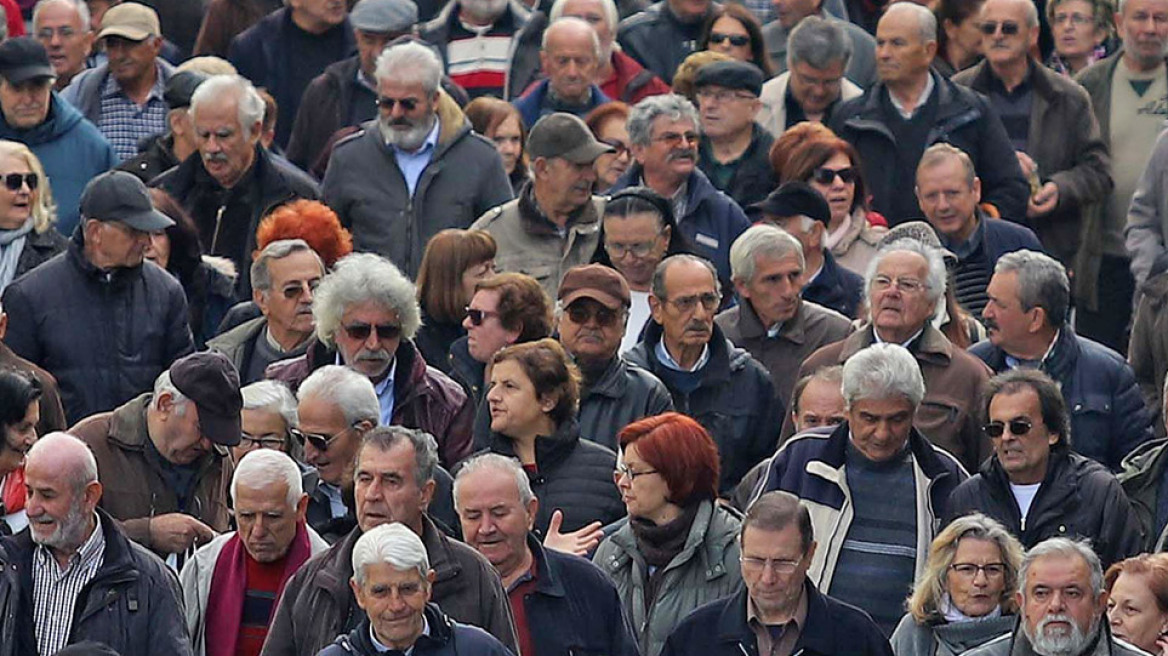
999,567
622,470
997,429
778,565
316,439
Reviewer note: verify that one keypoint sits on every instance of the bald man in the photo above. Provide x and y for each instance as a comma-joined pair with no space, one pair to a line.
570,58
74,576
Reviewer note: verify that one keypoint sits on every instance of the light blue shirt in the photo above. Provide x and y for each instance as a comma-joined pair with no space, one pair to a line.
412,164
384,391
666,358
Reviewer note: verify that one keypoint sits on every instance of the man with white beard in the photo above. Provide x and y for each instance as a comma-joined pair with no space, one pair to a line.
1061,606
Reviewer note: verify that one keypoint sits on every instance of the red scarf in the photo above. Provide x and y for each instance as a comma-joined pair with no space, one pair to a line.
12,494
229,587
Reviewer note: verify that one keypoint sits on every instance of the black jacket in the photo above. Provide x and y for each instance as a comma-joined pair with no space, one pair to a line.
39,247
434,339
333,100
754,178
133,604
155,157
1078,498
833,628
465,370
658,41
836,288
446,638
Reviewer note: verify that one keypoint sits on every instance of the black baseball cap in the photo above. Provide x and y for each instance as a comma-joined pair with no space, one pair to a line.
796,199
210,380
566,136
23,58
736,75
180,87
121,196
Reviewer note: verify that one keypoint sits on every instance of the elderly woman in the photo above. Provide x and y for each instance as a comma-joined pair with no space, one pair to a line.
454,262
27,214
1137,602
533,397
966,595
1079,28
20,412
267,420
499,121
609,125
679,549
959,39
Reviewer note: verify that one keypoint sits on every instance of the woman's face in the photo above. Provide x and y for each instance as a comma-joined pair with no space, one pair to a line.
15,204
727,31
611,166
19,438
625,236
158,250
516,409
1074,29
473,275
840,195
646,495
509,141
980,594
1133,613
967,36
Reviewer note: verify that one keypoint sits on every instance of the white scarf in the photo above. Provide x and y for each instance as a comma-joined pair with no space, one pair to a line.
11,246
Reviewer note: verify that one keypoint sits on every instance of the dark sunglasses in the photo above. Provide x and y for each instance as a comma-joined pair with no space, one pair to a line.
619,147
14,181
477,317
361,331
1009,28
736,40
295,291
1018,427
387,103
826,176
319,441
582,314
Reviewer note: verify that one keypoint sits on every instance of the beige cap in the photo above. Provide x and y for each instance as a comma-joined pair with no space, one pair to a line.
130,20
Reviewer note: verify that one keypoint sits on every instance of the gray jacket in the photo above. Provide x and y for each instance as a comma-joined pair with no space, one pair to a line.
1147,218
1016,644
861,68
911,638
773,113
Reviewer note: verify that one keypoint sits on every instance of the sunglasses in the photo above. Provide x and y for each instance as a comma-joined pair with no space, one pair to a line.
295,290
387,103
736,40
826,176
362,331
1009,28
1018,427
619,147
582,314
477,317
319,441
14,181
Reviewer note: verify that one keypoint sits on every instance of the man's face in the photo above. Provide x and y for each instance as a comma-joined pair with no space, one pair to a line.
320,417
568,184
319,14
488,336
672,150
726,112
288,304
26,104
1074,29
59,29
592,12
1007,15
590,331
1023,454
774,289
267,522
1060,612
947,198
902,56
815,89
394,601
227,148
686,314
118,244
570,62
880,427
900,303
1143,26
181,440
821,404
386,489
130,62
57,512
764,554
368,337
410,119
1008,324
494,521
369,46
792,11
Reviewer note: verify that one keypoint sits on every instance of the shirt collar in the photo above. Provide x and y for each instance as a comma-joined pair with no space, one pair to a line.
92,548
667,359
1014,363
799,618
113,88
429,144
921,100
905,343
382,648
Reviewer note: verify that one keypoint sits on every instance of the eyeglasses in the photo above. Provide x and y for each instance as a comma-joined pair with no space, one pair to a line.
1073,19
319,441
685,304
477,316
723,95
970,570
14,181
362,331
581,313
1018,426
295,290
736,40
46,33
623,470
906,285
387,103
673,139
758,565
641,249
618,146
826,176
268,441
1009,28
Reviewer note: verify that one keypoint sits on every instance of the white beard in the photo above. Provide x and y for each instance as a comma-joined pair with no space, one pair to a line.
410,139
1065,644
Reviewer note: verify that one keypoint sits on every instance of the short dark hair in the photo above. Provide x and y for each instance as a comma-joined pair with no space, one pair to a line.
775,511
18,390
1050,399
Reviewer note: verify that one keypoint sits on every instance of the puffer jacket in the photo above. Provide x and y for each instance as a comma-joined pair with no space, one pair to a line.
706,569
155,157
1147,352
133,604
1143,469
734,401
941,638
104,335
39,247
446,638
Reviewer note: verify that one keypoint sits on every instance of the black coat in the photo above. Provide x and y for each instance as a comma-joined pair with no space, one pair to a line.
754,178
39,247
155,157
446,638
657,40
836,288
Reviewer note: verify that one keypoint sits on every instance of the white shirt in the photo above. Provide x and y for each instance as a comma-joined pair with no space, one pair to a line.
924,97
638,315
1024,495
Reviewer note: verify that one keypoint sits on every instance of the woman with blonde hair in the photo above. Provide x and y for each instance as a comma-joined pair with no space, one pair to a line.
27,214
966,595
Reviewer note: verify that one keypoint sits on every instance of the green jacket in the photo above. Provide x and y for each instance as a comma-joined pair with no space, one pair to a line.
1140,474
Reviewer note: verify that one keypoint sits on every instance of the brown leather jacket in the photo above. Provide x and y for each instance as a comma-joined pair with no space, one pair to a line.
52,414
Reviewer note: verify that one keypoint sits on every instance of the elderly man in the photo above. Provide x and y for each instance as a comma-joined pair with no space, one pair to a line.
253,563
284,277
232,181
395,469
734,151
569,57
62,27
65,579
560,603
554,225
1049,120
710,379
910,108
489,47
778,546
813,85
165,151
366,315
54,311
663,35
876,486
69,147
618,75
860,66
163,456
415,171
1034,484
664,137
345,93
948,191
124,96
771,321
1062,604
1026,320
905,284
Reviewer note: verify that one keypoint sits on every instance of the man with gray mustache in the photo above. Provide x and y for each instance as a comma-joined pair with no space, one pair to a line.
1062,604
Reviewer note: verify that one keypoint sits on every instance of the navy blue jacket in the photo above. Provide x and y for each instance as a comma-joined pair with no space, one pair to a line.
1000,237
531,107
833,628
1108,416
836,288
446,638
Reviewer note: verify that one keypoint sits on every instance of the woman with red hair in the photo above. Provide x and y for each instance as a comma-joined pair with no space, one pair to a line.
679,549
1137,604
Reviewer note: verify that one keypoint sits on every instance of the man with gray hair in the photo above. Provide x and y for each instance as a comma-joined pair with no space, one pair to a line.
618,75
1026,322
418,169
570,56
229,598
875,484
912,107
664,132
818,55
859,62
1062,606
232,181
62,27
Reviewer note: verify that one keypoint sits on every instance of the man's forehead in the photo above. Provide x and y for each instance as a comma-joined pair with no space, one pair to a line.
397,459
266,497
667,124
688,276
57,12
1058,571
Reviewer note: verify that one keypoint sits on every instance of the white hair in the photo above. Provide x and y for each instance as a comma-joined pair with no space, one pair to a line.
78,6
883,371
262,468
498,463
348,390
572,21
86,473
410,62
608,7
393,544
935,278
926,21
364,278
273,396
163,385
1064,548
645,113
236,88
761,240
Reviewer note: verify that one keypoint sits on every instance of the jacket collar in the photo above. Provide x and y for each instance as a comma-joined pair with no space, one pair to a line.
932,346
550,450
834,451
818,636
1060,364
699,189
547,581
441,630
750,325
536,221
717,369
115,276
611,382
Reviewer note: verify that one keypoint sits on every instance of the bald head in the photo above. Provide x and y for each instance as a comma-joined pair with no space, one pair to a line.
67,456
924,19
570,32
570,58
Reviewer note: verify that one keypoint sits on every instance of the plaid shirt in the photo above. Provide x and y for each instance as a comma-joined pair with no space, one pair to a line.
55,590
125,122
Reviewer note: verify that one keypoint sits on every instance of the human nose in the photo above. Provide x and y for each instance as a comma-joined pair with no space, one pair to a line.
373,341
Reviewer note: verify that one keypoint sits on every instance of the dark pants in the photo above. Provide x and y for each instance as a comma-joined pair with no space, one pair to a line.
1109,325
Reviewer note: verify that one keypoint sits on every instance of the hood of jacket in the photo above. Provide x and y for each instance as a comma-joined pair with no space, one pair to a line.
61,118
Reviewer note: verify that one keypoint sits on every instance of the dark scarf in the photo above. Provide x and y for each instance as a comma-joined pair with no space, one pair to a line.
660,544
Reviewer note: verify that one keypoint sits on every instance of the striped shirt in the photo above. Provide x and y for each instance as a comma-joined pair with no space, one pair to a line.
55,590
125,122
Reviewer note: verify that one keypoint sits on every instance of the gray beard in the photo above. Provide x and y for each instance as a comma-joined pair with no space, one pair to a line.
1071,644
411,139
